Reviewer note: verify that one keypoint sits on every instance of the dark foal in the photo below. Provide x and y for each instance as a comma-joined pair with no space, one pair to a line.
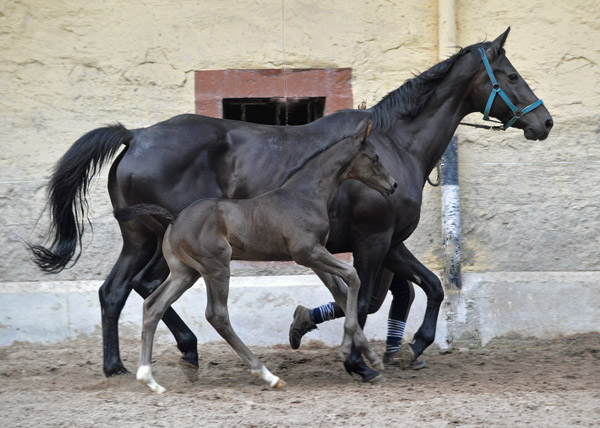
289,223
190,157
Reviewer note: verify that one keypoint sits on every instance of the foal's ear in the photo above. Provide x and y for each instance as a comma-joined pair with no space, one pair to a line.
368,130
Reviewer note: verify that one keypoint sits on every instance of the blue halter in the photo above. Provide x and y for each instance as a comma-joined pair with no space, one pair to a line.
496,89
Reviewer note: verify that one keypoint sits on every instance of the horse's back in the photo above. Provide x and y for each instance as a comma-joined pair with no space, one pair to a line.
190,156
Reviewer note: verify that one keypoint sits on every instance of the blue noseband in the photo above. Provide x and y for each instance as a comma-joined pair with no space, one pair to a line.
496,89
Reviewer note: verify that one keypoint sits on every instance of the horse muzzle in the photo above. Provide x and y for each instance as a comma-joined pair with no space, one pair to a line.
539,132
390,189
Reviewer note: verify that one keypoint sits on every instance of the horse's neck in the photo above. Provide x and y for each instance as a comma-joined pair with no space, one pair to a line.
427,135
320,177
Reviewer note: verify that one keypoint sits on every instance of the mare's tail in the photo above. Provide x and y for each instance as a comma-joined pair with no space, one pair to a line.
129,213
67,194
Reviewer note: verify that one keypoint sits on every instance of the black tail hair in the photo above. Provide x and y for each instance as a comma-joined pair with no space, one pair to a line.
67,195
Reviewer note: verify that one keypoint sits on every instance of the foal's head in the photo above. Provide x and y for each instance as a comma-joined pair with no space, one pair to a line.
366,166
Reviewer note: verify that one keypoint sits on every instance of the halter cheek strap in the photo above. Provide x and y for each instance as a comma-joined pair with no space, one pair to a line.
497,90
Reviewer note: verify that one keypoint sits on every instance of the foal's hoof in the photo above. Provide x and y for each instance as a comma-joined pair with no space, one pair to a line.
378,365
377,380
367,374
278,384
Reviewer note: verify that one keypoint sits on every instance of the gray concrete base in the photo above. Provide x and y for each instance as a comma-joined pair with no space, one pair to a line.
540,304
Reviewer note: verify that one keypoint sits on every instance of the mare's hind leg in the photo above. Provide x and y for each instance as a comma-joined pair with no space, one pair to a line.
339,291
180,279
217,314
114,292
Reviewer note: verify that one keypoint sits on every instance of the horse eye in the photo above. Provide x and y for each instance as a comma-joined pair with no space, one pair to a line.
375,159
513,77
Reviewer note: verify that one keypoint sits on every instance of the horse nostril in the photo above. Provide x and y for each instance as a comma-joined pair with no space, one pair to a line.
395,185
549,124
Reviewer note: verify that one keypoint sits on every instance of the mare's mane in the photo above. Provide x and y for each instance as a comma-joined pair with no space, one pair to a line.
410,98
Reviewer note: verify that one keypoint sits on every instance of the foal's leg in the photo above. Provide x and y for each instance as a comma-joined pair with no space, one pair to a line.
217,314
181,278
322,260
144,283
339,291
369,252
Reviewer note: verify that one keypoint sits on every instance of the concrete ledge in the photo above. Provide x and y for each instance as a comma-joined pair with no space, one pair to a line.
540,304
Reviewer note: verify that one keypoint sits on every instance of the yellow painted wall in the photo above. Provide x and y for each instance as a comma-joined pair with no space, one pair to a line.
67,67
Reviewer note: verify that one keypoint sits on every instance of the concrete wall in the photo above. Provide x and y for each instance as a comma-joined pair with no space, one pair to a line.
68,67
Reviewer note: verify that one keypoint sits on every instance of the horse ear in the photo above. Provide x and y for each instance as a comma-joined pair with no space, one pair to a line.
363,129
369,128
498,43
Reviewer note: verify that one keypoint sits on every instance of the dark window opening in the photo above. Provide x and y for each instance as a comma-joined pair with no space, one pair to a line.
274,111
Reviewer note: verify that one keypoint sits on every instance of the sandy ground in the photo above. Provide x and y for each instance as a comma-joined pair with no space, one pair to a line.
512,382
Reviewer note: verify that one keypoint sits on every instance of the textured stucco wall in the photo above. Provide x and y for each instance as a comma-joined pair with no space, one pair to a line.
68,67
534,206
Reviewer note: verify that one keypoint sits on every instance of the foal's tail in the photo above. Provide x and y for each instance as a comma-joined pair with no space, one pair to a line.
67,194
129,213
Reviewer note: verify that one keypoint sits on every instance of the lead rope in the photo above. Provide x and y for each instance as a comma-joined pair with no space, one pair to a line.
490,127
438,169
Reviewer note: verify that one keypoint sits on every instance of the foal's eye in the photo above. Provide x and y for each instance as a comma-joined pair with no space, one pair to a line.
375,159
513,77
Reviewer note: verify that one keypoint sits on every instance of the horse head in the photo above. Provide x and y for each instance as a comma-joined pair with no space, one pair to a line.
499,91
366,166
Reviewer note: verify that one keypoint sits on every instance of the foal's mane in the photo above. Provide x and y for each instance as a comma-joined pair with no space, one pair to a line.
410,98
307,159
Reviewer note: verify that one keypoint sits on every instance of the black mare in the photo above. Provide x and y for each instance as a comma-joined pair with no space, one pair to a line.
190,157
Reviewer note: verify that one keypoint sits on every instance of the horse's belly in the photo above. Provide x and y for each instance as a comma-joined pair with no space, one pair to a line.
254,253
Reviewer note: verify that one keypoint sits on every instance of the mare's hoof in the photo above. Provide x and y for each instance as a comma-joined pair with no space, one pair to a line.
117,371
403,358
190,358
418,365
189,370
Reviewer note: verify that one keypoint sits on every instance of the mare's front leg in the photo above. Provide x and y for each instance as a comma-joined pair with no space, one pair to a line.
217,314
402,262
180,279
